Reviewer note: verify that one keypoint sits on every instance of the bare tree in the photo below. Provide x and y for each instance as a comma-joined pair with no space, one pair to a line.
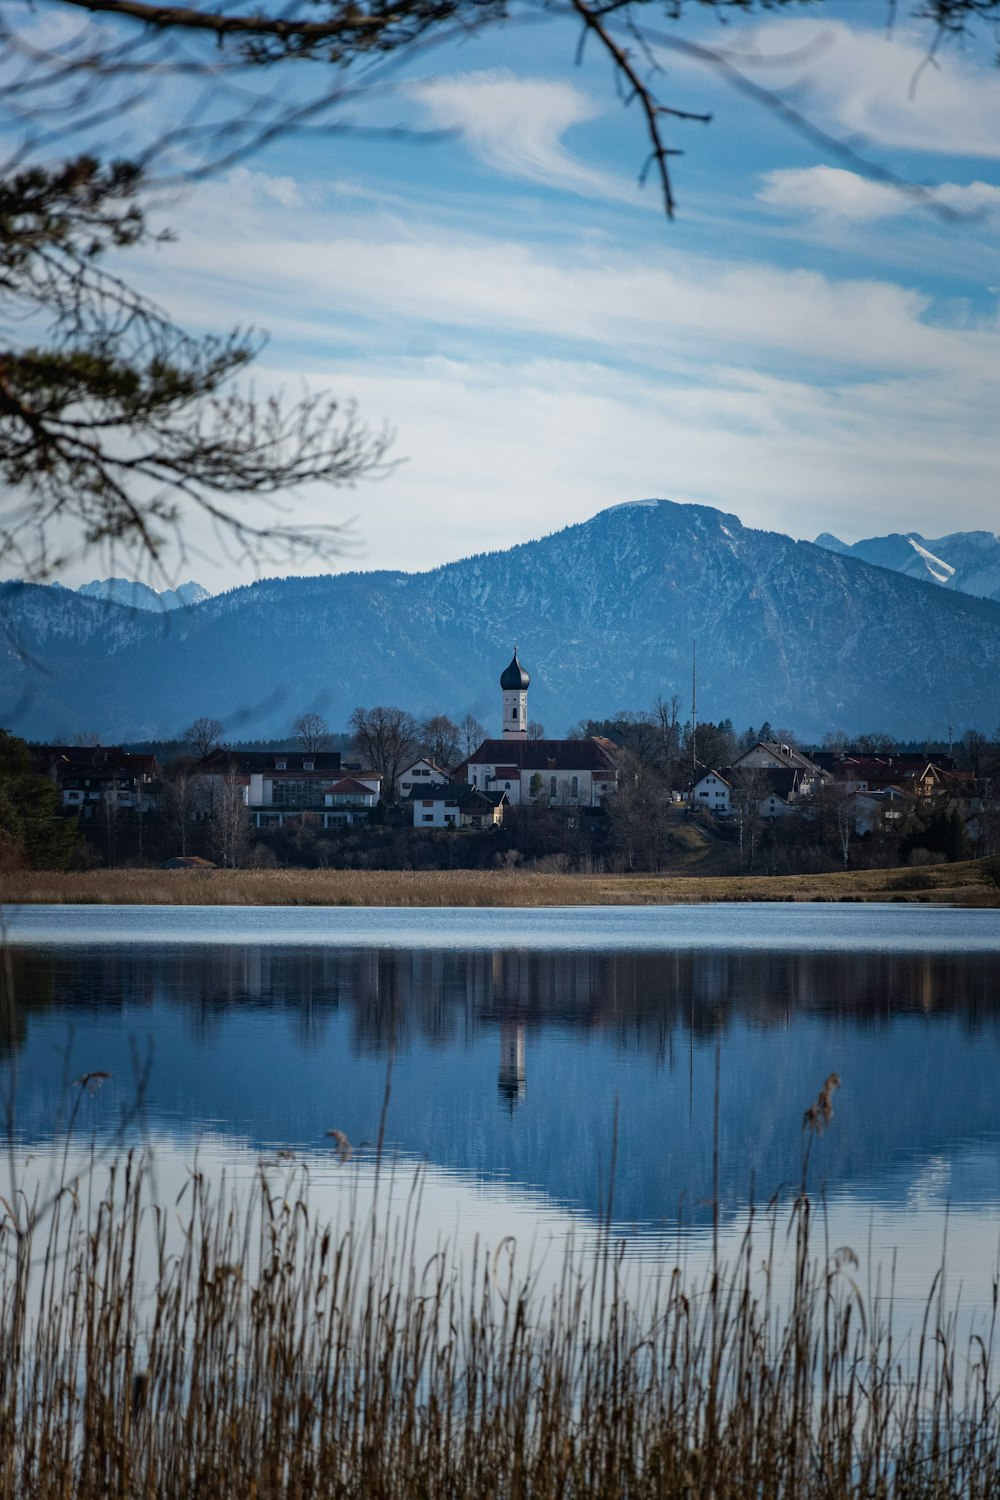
876,742
667,714
839,797
639,815
204,735
387,737
183,796
536,730
312,732
975,749
748,787
441,739
229,824
472,733
111,811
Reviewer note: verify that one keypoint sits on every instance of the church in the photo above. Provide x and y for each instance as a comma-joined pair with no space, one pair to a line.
555,773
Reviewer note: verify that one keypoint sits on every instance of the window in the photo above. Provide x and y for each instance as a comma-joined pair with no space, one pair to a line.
294,793
308,765
575,786
513,712
553,786
428,818
281,765
427,804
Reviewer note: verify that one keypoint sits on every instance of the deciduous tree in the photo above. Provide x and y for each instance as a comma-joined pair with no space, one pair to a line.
472,733
387,737
204,735
312,732
441,738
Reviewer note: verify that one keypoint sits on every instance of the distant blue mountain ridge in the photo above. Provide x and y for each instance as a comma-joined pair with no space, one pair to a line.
966,561
604,613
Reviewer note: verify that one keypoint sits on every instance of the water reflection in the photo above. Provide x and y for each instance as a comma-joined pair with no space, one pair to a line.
278,1045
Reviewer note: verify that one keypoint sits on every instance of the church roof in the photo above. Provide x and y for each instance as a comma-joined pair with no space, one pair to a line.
514,677
592,754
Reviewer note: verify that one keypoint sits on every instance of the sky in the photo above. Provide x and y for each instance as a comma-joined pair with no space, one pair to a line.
475,264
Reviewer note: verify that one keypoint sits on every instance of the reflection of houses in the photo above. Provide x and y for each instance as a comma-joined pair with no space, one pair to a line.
511,1075
551,773
287,786
99,778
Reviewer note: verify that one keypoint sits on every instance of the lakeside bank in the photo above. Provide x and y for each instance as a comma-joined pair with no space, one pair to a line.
969,883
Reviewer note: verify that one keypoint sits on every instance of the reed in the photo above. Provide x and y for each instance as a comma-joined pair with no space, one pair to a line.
971,883
252,1351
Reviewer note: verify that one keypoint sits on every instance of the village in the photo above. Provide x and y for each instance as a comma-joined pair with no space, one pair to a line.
642,792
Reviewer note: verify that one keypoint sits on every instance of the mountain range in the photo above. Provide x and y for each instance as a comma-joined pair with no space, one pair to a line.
605,614
141,596
966,561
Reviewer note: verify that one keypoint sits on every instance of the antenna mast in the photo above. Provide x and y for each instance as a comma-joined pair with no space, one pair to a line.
694,707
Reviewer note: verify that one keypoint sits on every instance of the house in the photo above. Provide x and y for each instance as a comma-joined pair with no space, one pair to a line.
711,792
94,779
348,801
554,773
422,773
718,792
457,805
292,786
768,755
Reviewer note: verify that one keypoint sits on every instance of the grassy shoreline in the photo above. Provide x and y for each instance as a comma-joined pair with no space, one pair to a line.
971,883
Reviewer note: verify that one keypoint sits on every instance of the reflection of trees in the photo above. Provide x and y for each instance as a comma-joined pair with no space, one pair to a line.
444,997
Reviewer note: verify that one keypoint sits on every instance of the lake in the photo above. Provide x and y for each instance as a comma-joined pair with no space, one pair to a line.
540,1066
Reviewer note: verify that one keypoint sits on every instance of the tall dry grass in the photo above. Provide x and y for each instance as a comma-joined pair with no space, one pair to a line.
250,1351
972,883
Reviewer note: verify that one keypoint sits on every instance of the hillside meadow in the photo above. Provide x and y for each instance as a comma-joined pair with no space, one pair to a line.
970,883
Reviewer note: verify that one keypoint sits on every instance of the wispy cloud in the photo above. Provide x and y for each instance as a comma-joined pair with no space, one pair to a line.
833,192
882,90
516,126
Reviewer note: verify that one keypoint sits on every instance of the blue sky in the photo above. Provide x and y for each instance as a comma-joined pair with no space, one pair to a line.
803,346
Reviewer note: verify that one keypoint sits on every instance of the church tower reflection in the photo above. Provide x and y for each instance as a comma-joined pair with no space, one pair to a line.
511,1079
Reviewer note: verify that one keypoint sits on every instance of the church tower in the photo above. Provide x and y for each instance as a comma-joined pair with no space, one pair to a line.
514,686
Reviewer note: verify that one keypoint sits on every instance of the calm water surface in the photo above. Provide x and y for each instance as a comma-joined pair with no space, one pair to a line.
512,1041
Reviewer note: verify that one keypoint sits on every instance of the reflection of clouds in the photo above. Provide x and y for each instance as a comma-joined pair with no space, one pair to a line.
931,1186
431,1212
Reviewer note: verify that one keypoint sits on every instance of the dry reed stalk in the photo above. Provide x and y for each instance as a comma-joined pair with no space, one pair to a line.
970,883
260,1354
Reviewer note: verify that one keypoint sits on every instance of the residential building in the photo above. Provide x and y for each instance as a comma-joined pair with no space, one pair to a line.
422,773
294,786
93,779
457,805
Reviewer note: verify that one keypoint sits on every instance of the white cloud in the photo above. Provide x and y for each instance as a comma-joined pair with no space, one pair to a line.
880,88
516,125
426,284
833,192
497,453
